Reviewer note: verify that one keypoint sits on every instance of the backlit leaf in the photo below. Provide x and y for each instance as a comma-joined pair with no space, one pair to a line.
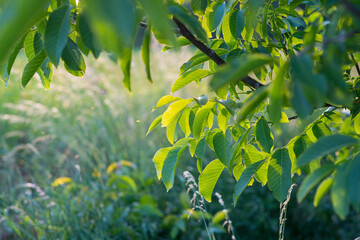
209,177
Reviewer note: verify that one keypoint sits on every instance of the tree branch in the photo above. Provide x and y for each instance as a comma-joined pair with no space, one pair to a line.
211,53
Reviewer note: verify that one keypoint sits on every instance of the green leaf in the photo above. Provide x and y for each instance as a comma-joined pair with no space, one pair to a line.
29,45
31,68
199,6
200,58
171,160
295,3
324,146
125,63
156,122
184,121
339,192
159,159
311,180
174,110
263,135
45,72
72,57
252,155
56,33
145,52
7,66
215,14
233,25
16,18
245,178
209,177
277,93
38,43
200,148
200,119
239,68
313,86
171,130
252,103
318,130
188,20
353,179
188,77
279,174
159,20
283,2
87,34
115,24
166,100
222,145
323,188
223,117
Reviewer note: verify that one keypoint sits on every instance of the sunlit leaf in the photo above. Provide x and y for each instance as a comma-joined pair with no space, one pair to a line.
174,110
189,77
209,177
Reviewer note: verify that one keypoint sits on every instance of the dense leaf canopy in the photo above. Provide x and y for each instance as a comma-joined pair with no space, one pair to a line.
270,65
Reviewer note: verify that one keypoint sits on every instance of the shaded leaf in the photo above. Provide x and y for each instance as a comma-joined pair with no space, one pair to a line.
56,33
263,135
325,146
239,68
279,174
170,162
72,57
245,178
31,68
311,180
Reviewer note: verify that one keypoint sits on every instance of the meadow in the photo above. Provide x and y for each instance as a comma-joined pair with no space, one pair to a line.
76,164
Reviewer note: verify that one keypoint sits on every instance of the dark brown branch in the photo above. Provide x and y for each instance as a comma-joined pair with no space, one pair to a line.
211,53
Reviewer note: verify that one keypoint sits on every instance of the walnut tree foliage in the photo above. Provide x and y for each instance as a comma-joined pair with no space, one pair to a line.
267,63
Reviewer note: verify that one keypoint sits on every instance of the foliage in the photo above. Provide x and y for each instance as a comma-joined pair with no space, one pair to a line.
49,135
267,60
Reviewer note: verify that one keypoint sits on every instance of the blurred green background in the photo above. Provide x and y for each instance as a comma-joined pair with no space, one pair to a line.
76,164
